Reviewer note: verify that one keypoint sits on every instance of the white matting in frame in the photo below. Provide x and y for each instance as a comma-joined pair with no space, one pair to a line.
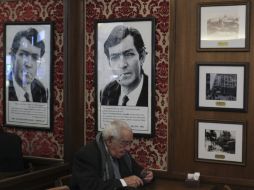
224,27
222,142
222,86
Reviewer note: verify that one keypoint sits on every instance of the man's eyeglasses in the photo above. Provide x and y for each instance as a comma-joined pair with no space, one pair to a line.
124,143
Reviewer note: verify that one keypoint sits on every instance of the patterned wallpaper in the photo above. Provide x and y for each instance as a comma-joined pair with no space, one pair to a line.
152,152
39,143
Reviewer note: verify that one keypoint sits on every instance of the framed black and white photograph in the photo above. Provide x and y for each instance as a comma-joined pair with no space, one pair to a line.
221,86
28,67
220,141
125,73
223,26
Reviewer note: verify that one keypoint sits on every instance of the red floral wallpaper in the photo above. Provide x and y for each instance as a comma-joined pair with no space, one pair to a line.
39,143
152,152
149,152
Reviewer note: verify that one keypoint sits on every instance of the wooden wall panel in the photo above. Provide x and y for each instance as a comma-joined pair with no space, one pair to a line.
181,159
74,78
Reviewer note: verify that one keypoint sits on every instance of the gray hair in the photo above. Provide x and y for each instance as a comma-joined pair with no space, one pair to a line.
115,129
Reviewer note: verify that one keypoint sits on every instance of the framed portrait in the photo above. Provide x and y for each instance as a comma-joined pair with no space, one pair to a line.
220,141
28,74
223,26
124,52
221,86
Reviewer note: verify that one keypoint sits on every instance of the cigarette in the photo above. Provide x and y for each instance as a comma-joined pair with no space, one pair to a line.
120,77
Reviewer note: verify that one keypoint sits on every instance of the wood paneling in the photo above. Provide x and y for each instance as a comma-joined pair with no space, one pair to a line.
73,78
43,174
182,133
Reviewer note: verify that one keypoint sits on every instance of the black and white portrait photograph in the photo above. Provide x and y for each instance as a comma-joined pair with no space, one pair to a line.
28,74
124,72
221,86
220,141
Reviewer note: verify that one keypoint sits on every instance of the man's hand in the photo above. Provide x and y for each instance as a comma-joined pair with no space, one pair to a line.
133,181
149,177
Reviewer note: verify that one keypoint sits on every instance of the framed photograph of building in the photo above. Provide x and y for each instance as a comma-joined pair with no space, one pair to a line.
220,142
221,86
223,26
124,52
27,74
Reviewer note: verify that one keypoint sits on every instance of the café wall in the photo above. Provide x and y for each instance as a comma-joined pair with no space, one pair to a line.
185,138
151,151
34,142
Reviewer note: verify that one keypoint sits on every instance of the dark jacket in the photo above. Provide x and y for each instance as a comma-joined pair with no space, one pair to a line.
11,158
38,91
87,171
112,91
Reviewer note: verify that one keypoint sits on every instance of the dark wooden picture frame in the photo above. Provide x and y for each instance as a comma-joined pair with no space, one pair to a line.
223,26
28,53
221,86
220,141
116,68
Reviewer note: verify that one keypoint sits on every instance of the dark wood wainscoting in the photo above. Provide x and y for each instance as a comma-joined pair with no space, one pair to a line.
41,174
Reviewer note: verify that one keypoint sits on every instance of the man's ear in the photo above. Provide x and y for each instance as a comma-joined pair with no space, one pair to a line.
109,141
142,57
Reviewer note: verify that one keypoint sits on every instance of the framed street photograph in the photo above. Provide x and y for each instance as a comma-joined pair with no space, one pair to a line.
221,86
28,74
124,52
223,26
220,142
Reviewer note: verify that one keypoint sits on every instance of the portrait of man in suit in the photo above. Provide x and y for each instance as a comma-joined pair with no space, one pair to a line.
126,53
26,50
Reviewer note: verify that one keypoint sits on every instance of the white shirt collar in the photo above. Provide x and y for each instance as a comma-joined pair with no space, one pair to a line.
133,95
